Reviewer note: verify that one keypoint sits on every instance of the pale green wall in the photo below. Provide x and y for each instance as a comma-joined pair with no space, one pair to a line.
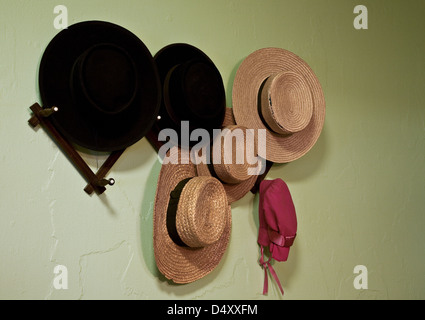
359,193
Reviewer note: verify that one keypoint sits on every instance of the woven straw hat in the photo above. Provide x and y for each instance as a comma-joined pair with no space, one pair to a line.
276,90
232,173
192,221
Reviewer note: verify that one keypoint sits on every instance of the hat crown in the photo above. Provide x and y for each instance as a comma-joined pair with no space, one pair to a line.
234,145
106,77
194,91
201,214
286,102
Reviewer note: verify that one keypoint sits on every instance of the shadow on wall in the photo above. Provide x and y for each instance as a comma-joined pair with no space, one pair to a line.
230,83
305,167
135,156
146,219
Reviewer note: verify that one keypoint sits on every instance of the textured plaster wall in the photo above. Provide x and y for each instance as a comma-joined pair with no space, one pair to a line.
359,193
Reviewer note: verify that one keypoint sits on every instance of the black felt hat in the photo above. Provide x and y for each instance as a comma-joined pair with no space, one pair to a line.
192,89
105,83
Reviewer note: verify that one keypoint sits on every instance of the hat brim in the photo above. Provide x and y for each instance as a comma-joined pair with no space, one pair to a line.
93,130
234,192
250,76
166,59
280,253
182,264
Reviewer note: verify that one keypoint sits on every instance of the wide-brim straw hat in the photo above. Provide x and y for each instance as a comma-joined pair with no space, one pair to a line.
201,221
277,91
234,177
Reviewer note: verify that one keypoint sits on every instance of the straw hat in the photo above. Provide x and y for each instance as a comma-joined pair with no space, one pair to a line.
232,172
192,221
229,118
276,90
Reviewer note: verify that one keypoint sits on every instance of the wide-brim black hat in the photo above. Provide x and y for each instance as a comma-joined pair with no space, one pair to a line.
105,83
192,90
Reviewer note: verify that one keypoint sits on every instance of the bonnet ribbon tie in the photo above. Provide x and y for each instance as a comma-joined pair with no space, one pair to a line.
265,265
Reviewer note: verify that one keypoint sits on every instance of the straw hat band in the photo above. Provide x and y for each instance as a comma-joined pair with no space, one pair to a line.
286,103
196,212
172,211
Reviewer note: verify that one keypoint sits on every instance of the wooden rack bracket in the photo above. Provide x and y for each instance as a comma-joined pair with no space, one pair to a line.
96,182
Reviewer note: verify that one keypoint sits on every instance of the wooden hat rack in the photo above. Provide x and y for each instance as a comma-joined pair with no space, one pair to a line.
96,182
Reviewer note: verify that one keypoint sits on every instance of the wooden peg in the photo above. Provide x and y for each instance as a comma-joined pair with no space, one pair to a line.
104,169
105,182
48,111
34,121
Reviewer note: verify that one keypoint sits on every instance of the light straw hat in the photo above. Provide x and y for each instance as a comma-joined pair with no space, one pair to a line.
234,176
276,90
192,221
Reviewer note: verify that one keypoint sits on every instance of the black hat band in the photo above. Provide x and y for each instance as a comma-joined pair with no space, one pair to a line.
172,212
